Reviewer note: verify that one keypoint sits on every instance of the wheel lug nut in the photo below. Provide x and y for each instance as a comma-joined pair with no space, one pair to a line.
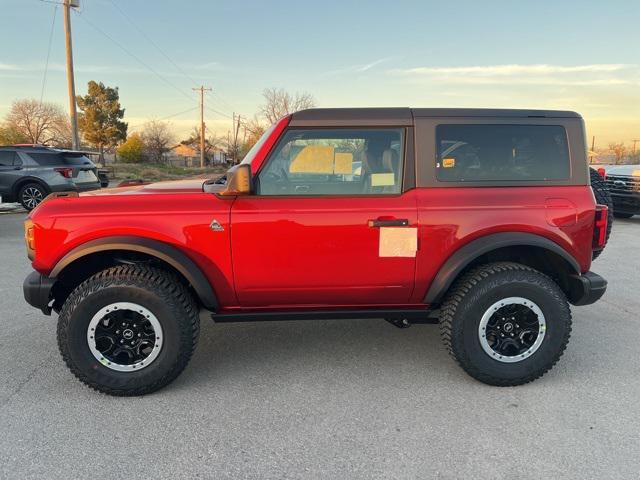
139,334
132,343
117,331
121,341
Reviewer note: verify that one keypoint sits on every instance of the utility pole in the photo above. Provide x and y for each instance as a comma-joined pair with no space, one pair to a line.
202,89
67,4
593,147
635,140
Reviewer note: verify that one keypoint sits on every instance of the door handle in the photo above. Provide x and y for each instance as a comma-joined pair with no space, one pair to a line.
400,222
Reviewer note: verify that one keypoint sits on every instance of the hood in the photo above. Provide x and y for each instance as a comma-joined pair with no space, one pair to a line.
624,170
194,185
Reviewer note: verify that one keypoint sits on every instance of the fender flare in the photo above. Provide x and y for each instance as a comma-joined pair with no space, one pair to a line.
160,250
466,254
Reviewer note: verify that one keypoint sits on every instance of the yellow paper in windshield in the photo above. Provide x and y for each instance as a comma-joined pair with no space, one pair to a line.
343,163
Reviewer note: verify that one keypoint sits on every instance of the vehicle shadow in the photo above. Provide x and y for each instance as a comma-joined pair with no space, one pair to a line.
238,351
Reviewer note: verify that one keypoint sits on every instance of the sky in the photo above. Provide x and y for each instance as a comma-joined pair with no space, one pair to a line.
570,55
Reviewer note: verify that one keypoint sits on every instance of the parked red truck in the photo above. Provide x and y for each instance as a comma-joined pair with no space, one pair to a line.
481,220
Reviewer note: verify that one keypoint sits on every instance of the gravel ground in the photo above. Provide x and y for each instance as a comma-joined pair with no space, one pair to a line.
327,399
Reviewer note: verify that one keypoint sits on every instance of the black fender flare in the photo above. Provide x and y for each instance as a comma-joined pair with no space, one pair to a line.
160,250
466,254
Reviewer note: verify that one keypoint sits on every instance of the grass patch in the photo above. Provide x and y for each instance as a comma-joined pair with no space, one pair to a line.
151,172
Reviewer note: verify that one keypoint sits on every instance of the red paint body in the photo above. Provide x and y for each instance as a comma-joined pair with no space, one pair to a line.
302,252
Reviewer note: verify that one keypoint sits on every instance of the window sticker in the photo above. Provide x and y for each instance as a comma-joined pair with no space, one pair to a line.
448,162
398,242
382,179
343,163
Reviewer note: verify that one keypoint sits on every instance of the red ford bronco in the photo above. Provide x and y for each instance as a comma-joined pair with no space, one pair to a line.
481,220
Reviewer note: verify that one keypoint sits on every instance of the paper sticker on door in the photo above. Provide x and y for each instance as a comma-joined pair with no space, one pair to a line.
398,242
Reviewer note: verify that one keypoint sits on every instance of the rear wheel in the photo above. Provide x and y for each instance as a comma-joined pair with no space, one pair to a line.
603,197
505,324
128,330
31,194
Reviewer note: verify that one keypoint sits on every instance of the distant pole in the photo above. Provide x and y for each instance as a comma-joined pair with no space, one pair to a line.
202,89
635,140
73,114
593,146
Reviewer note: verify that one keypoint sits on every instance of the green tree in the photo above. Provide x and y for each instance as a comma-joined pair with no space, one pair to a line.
132,151
100,120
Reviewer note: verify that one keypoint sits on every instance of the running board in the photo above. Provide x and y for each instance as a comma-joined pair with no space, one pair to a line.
414,316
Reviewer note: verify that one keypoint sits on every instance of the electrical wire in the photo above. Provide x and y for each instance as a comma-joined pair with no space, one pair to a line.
46,64
167,117
155,45
164,54
136,58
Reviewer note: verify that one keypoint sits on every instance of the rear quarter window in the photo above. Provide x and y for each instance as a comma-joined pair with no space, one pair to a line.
503,153
46,159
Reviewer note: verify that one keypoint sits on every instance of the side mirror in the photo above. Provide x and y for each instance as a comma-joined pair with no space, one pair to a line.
238,180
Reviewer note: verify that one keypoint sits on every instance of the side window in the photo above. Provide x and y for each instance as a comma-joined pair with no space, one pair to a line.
472,153
335,162
6,158
47,159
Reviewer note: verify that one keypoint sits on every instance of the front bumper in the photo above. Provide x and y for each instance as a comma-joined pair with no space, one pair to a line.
37,291
586,289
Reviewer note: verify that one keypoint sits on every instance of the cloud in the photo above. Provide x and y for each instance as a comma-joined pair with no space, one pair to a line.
7,67
605,74
359,68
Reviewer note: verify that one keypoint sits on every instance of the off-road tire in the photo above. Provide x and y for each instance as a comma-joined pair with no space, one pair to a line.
603,197
30,193
474,293
622,215
158,291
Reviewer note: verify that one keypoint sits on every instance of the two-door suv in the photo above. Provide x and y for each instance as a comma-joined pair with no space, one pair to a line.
481,220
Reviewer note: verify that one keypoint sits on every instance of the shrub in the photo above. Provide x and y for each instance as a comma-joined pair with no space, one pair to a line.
132,151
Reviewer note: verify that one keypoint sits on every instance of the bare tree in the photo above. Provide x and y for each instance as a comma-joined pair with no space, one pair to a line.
43,123
618,150
157,138
279,103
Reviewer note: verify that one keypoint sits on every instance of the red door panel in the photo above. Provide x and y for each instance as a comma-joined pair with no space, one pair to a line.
321,251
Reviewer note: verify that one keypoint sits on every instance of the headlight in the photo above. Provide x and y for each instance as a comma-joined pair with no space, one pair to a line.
29,239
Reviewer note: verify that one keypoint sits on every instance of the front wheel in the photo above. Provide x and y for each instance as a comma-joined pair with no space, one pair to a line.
31,195
506,324
128,330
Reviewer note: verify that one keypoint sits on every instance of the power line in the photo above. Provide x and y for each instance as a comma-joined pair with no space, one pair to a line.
46,64
136,58
167,117
155,45
164,54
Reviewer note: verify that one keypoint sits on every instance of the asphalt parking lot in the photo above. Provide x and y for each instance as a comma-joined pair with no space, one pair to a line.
327,399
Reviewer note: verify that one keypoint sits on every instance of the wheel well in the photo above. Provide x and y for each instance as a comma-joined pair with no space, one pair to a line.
546,261
24,181
84,267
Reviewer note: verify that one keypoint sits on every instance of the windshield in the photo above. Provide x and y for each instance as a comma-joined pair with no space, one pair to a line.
248,158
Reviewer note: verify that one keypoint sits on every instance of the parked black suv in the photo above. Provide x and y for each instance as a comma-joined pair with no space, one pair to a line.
28,173
624,184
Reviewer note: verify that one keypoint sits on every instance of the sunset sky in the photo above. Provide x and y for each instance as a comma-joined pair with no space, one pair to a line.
572,55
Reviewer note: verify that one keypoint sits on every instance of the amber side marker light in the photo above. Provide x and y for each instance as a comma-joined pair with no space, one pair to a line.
29,239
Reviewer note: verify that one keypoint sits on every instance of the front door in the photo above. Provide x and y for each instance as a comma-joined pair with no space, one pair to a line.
329,224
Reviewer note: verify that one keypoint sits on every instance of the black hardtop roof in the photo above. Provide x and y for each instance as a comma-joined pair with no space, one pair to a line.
404,114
